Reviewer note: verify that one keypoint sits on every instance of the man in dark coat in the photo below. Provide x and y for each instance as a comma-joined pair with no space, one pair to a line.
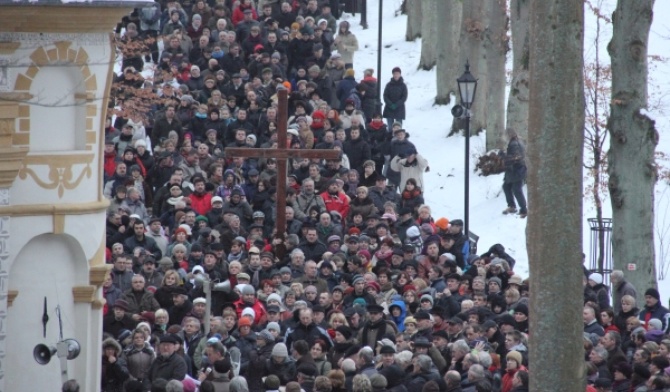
515,174
118,320
168,365
395,95
357,150
307,330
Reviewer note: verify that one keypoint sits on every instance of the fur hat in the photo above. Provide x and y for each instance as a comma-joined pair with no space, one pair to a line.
596,277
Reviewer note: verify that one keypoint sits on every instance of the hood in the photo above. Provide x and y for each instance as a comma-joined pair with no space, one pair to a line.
399,321
113,343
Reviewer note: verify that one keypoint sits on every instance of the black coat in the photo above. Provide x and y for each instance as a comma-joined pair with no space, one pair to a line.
515,165
358,151
173,367
395,95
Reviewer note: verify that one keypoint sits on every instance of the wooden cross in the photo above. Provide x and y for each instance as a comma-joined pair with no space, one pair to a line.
281,154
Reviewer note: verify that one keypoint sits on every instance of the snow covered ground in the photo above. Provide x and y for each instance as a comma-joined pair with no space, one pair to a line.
428,127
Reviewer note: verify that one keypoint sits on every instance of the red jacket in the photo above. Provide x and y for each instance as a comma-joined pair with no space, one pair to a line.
339,203
110,163
507,379
201,204
258,308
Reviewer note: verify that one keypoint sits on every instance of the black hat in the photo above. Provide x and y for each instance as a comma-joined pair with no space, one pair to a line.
345,331
308,369
404,210
408,248
169,338
454,276
374,308
603,383
506,318
488,324
386,349
457,222
422,315
272,309
318,308
422,342
437,311
652,292
455,321
179,290
521,308
149,260
441,334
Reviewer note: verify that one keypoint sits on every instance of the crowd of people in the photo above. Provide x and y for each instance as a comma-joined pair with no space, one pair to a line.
367,291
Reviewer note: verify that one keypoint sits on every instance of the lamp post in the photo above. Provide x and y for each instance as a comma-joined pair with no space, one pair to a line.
379,51
467,87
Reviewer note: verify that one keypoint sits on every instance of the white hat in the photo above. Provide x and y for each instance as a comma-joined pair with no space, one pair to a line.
249,312
596,277
216,199
187,228
199,300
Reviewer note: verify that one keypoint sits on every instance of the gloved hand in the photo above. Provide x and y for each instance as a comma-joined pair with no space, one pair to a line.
392,106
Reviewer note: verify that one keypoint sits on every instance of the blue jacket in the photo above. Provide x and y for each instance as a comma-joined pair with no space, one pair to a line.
400,320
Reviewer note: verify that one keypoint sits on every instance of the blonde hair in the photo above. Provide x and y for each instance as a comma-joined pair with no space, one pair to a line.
176,275
338,316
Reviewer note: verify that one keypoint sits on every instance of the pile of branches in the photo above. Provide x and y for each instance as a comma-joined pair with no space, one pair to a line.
490,163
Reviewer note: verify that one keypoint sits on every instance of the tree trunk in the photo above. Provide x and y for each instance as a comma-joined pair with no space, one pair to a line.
471,43
413,20
555,150
517,102
496,44
428,35
632,169
448,66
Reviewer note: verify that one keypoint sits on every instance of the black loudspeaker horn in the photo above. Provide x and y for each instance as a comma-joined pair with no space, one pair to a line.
43,353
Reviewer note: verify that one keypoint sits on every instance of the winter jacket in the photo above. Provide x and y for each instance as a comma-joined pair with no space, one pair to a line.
146,303
515,165
286,370
338,202
395,95
655,312
139,362
344,89
358,151
310,333
256,368
379,197
172,367
410,170
346,45
364,207
624,288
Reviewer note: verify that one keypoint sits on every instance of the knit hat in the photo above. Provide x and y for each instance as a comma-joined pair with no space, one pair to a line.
655,324
274,297
596,277
442,223
652,292
280,350
244,322
515,355
413,232
249,312
273,326
349,73
265,335
427,297
521,308
247,289
496,280
409,320
427,228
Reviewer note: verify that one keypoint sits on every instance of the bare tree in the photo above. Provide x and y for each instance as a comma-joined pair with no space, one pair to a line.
496,44
448,66
555,150
413,20
517,101
631,164
597,90
428,34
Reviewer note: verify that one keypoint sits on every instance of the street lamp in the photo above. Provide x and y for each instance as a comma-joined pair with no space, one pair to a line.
467,87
